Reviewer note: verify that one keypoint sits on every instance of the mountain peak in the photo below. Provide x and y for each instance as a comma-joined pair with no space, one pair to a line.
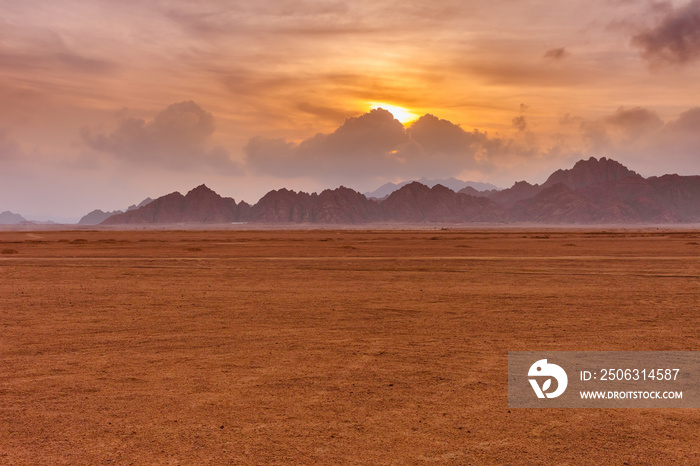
453,183
201,189
588,172
200,205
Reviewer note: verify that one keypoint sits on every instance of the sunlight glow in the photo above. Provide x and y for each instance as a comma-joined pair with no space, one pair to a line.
402,114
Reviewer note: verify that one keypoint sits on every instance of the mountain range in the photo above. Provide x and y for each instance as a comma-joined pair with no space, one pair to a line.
10,218
594,191
97,216
453,183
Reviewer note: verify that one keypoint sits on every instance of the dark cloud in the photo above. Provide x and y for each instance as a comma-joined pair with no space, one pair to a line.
376,145
440,137
675,39
361,145
678,139
639,134
177,138
446,148
556,54
520,123
635,126
634,122
687,122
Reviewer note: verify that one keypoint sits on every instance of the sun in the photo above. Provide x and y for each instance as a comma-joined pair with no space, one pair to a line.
402,114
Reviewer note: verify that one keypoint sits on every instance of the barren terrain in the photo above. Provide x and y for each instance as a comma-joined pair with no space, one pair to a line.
331,346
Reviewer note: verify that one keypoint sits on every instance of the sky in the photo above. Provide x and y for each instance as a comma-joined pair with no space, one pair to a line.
105,103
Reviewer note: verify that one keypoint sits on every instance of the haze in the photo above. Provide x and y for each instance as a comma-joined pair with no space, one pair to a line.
106,103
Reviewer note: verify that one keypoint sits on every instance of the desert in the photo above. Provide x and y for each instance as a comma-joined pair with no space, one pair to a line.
240,345
373,232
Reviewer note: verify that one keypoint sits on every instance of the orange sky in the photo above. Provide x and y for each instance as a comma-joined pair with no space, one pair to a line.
105,103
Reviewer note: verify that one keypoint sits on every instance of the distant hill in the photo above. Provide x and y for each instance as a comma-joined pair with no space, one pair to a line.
605,191
200,205
453,183
589,172
417,202
519,191
593,191
584,173
341,205
556,204
97,216
9,218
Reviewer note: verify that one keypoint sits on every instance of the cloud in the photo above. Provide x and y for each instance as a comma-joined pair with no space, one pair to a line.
625,128
213,18
48,51
634,122
521,73
520,123
679,139
675,39
446,148
361,145
376,145
325,112
439,137
556,54
638,134
308,18
8,147
176,138
595,136
687,122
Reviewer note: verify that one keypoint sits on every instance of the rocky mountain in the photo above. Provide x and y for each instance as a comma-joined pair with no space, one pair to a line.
556,204
452,183
341,205
594,191
519,191
200,205
98,216
605,191
417,202
584,173
345,205
9,218
589,172
681,193
283,205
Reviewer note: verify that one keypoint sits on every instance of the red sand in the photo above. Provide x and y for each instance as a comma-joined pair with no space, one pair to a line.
321,347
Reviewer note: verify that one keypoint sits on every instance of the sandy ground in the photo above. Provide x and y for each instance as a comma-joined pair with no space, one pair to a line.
331,347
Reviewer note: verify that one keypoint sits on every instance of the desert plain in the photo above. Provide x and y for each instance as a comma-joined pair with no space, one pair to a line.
236,346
